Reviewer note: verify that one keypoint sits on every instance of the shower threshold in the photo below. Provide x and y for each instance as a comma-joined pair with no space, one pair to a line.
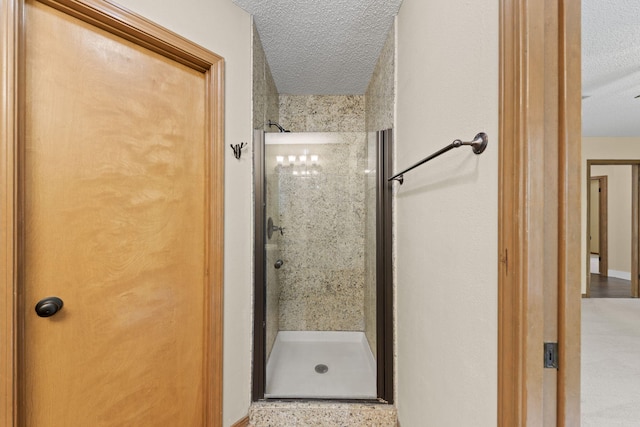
321,365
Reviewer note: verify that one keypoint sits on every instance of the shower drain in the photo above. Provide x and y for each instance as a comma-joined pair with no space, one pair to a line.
321,369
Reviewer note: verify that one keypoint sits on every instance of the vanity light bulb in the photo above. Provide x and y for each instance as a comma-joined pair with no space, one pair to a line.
292,159
303,158
314,158
280,159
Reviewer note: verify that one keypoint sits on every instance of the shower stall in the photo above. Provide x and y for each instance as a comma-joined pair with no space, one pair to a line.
323,291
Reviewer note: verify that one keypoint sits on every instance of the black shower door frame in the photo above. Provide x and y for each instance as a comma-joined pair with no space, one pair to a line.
384,270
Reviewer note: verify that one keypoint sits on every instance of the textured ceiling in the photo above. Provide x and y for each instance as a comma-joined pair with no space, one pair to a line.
322,47
611,67
329,47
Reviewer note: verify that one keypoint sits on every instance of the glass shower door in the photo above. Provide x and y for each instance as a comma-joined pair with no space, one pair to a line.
320,257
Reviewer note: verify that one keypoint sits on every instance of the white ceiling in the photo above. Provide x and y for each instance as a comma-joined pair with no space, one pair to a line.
322,47
330,47
611,67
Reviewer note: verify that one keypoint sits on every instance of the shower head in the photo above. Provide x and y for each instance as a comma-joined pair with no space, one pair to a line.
280,128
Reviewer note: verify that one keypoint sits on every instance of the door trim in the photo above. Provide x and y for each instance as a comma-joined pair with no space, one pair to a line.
134,28
524,79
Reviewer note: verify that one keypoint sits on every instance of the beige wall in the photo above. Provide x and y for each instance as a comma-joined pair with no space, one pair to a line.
447,65
225,29
601,148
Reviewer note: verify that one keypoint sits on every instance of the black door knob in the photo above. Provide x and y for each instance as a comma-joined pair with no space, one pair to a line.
48,306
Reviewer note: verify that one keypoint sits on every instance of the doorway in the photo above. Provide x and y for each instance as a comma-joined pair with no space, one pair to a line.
616,218
115,284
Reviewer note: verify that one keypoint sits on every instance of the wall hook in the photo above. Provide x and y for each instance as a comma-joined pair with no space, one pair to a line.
237,149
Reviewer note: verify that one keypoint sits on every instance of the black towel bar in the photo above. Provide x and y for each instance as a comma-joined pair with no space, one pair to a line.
478,144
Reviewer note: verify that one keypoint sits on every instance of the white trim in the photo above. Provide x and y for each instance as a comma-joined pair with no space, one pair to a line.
620,274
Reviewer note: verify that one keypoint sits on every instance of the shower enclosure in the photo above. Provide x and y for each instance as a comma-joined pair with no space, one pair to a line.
323,295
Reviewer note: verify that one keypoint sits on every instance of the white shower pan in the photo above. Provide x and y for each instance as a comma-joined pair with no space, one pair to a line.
321,365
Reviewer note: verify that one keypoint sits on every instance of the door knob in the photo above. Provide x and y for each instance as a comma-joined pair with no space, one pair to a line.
48,306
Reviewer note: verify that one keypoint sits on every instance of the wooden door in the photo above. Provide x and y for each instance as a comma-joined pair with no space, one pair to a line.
119,198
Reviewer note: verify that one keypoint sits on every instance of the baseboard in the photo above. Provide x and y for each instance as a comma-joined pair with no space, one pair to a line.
625,275
242,423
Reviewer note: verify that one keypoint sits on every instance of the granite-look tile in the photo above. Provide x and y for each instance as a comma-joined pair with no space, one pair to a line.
380,94
323,246
265,94
292,112
272,297
323,113
350,105
350,123
312,414
316,298
320,123
379,107
370,259
265,103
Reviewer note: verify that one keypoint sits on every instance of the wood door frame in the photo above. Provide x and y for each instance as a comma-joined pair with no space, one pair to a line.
635,220
525,78
136,29
603,234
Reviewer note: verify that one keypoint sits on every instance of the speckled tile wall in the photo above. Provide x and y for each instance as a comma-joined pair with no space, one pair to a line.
265,108
380,94
370,259
322,280
265,94
322,113
379,110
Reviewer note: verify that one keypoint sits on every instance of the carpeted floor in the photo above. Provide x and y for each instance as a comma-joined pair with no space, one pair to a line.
610,362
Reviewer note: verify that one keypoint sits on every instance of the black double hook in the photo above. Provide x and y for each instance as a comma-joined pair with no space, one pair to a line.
237,149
